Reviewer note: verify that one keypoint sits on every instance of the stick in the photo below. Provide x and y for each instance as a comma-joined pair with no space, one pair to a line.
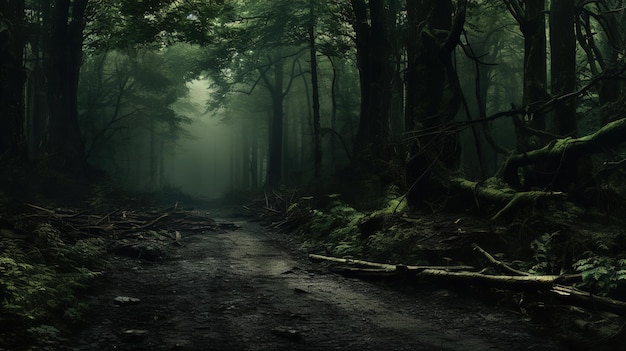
498,263
153,222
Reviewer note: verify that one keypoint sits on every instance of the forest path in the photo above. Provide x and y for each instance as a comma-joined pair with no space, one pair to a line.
250,289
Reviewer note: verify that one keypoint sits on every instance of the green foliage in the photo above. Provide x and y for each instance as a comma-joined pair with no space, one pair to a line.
46,335
344,231
392,245
602,275
544,255
40,284
337,227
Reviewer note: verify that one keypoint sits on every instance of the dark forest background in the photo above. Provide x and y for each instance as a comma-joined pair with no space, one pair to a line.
510,110
415,94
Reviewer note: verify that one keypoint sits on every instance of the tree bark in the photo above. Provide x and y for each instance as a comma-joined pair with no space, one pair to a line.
376,83
563,66
275,87
317,148
533,29
433,93
62,61
12,79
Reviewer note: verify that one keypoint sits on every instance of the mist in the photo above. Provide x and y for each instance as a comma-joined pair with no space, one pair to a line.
201,164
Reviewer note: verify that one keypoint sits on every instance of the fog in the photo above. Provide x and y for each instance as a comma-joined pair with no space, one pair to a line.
201,164
153,121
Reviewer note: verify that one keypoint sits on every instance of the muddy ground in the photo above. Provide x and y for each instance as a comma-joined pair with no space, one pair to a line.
247,288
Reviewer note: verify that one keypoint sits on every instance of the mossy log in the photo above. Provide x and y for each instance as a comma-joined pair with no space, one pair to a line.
501,194
528,281
381,266
612,134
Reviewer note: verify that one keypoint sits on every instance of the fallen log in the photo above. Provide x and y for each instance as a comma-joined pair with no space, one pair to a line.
457,273
588,300
526,281
384,266
504,195
612,134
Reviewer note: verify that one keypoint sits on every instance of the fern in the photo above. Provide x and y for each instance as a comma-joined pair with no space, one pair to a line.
602,275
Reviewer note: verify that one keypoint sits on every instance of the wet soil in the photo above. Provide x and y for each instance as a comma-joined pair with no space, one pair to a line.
252,289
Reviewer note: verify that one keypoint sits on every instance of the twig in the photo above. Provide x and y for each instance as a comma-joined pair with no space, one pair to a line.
41,208
153,222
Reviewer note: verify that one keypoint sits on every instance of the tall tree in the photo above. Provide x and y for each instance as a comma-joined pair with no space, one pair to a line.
12,78
433,90
374,56
563,66
531,19
317,135
65,22
260,48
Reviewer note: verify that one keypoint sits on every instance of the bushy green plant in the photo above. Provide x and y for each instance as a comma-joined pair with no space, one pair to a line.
602,275
336,227
544,254
40,283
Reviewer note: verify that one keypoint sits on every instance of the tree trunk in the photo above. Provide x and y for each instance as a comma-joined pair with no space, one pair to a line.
611,41
533,29
563,66
274,170
254,159
433,94
375,77
245,154
12,80
317,149
62,63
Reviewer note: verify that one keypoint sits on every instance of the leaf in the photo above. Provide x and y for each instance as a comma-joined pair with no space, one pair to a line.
584,267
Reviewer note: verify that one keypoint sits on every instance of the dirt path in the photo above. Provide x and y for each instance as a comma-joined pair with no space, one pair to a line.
246,290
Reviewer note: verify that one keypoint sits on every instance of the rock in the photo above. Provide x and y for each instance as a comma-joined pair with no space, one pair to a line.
125,300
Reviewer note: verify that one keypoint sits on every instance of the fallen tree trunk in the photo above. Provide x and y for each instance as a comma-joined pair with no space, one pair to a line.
585,299
612,134
511,281
503,195
383,266
546,283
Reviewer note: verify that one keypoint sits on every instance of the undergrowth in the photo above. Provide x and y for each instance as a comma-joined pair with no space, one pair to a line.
558,242
339,229
41,279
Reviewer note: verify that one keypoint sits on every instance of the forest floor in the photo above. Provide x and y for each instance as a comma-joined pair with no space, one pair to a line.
247,288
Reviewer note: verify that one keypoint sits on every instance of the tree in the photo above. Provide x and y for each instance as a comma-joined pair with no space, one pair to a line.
531,19
373,51
433,92
262,49
563,66
12,79
317,136
64,21
127,110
